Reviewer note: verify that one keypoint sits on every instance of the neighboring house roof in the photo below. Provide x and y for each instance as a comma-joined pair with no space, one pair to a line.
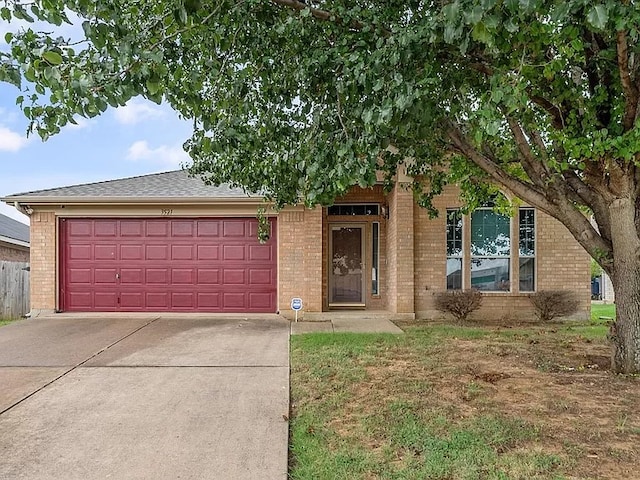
175,185
13,232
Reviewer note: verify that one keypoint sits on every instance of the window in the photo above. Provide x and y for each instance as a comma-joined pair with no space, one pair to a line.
454,249
490,250
375,258
362,209
527,249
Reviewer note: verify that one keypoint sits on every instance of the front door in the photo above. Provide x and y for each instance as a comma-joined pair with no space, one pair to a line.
346,269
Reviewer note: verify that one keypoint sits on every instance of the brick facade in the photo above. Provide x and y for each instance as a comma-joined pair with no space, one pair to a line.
10,253
412,260
43,262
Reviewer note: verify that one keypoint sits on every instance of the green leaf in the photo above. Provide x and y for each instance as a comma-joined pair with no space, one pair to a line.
598,16
8,36
53,58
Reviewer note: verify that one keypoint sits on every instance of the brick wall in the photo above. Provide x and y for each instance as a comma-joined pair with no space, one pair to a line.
300,259
11,254
43,261
400,251
560,264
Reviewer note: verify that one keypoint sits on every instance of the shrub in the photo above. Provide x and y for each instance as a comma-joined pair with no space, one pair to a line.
459,303
550,304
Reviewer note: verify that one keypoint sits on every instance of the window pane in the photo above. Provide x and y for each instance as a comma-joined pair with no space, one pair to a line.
375,257
527,274
361,209
454,233
527,230
454,273
490,234
490,274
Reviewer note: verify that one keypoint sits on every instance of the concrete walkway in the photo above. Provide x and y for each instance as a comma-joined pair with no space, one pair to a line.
145,397
347,323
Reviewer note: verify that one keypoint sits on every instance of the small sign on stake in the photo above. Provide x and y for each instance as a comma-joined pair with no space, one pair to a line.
296,305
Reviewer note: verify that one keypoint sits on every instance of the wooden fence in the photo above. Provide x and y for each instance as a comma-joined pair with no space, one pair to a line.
14,289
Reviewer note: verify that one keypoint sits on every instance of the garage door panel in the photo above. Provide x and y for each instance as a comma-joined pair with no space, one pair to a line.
233,300
132,252
209,300
261,252
208,228
261,301
132,276
81,276
182,252
233,253
208,252
157,300
167,264
105,300
80,252
233,276
80,228
156,228
260,276
105,229
157,276
183,300
208,276
157,252
182,276
131,228
105,276
105,252
132,300
182,228
233,228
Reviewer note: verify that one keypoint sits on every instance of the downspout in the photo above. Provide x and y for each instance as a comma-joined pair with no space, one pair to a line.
24,209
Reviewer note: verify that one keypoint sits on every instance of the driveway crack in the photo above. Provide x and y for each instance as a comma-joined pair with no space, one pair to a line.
71,369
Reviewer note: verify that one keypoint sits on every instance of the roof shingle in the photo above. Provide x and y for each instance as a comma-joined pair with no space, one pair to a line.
173,184
13,229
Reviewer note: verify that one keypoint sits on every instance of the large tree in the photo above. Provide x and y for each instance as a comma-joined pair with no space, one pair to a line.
302,99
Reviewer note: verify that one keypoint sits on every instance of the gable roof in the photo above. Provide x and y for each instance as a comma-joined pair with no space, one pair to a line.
174,185
12,231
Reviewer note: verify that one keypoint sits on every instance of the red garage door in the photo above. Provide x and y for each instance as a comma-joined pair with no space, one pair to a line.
200,264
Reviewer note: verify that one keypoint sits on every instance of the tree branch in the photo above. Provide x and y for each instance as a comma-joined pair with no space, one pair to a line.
561,209
534,168
557,115
628,86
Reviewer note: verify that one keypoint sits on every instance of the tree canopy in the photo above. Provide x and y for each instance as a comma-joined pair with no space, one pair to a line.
303,99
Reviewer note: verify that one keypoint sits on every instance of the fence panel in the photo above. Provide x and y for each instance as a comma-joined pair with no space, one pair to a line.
14,289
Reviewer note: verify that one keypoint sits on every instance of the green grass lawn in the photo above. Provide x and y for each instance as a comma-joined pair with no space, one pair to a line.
602,310
461,402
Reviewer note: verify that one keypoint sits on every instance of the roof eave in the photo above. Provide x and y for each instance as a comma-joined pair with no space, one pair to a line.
38,200
14,241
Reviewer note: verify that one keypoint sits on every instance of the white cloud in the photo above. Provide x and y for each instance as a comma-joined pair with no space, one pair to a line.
136,112
164,155
11,141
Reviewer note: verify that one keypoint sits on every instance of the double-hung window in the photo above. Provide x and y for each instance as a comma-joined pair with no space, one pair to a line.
454,249
527,249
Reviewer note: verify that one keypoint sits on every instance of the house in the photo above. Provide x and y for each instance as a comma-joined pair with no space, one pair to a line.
14,240
168,242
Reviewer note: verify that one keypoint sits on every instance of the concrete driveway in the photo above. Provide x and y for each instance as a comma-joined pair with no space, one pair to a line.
144,397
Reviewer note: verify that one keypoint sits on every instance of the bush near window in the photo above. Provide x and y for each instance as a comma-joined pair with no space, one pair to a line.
459,303
550,304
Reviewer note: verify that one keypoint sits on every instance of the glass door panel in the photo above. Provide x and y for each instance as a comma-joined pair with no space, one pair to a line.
346,275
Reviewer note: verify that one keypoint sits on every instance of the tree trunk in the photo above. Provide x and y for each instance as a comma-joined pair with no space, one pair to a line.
625,332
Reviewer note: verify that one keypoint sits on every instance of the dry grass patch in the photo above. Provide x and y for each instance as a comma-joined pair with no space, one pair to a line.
530,402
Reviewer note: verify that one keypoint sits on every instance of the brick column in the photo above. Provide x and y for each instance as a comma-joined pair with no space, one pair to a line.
400,251
300,259
43,273
312,259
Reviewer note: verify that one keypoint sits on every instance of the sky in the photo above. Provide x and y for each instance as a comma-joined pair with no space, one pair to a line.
137,139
